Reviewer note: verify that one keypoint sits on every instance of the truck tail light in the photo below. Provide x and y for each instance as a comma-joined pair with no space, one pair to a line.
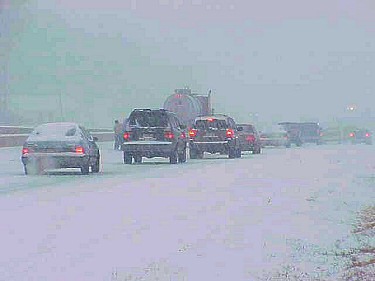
126,136
193,133
168,135
229,133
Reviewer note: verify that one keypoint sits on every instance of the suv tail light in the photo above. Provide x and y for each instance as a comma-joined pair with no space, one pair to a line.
229,133
250,138
25,150
193,133
126,136
80,150
168,135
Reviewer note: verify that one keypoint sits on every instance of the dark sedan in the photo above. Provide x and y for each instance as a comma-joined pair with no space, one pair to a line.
60,145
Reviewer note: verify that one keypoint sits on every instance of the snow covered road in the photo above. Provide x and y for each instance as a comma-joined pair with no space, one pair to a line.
209,219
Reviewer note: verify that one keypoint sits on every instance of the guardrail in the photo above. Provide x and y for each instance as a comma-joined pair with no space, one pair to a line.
9,140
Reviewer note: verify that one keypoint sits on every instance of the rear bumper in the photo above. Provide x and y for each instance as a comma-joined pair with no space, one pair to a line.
57,160
149,149
211,147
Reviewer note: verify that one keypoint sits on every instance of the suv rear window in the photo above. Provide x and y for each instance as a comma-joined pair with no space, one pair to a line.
248,129
148,119
214,124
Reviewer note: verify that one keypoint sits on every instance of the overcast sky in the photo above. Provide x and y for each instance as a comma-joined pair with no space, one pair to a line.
284,60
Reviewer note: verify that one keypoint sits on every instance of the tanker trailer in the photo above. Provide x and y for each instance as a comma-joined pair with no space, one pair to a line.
187,105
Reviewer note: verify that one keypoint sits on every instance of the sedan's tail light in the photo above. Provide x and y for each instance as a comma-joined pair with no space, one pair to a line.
229,133
25,150
127,136
193,133
168,135
80,150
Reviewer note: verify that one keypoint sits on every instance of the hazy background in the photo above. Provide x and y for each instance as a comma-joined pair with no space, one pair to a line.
265,61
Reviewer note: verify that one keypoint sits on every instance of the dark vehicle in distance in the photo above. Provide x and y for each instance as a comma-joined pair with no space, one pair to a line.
154,133
249,138
360,136
60,145
275,138
214,134
303,132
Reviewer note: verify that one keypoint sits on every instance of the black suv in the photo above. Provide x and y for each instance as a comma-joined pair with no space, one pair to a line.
214,134
154,133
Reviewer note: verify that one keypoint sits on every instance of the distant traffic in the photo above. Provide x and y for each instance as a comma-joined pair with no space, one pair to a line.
186,127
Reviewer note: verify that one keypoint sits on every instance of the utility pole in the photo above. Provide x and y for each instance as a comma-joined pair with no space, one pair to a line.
60,105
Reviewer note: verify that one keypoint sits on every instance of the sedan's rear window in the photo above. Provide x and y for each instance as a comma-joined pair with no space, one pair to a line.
148,119
63,130
211,124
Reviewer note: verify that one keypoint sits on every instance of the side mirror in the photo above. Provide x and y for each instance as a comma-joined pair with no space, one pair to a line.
239,128
95,139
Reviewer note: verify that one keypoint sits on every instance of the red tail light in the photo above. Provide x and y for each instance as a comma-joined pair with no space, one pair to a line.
211,119
168,135
183,135
25,150
367,135
229,133
126,136
250,138
80,150
351,135
193,133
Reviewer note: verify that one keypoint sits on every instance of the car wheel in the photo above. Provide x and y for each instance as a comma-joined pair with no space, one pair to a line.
85,168
127,158
182,156
25,169
95,168
138,159
173,158
239,153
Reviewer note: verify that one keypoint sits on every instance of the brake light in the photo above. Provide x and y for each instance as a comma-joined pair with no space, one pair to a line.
80,150
25,150
250,138
193,133
367,135
351,135
183,135
126,136
168,135
229,133
210,119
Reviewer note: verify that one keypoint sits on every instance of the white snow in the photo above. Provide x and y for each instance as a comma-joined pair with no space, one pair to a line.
209,219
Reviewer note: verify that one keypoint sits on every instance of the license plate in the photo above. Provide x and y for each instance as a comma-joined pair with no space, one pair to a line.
148,137
209,135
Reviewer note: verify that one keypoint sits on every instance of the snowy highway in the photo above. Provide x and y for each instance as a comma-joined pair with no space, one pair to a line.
285,210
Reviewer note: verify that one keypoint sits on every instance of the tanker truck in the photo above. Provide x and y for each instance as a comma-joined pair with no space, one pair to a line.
188,105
